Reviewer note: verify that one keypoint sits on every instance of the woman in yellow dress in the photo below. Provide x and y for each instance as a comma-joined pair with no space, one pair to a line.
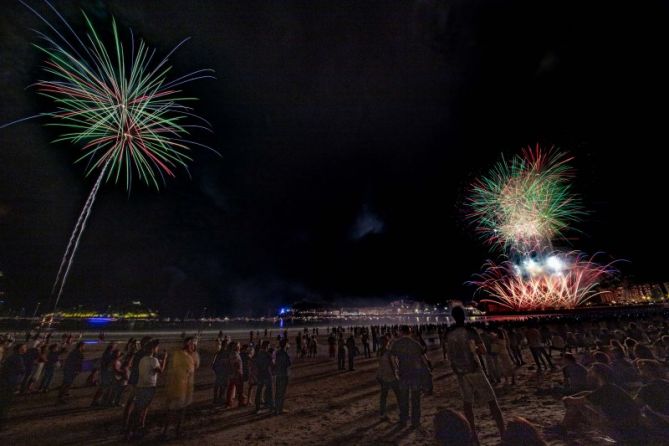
180,383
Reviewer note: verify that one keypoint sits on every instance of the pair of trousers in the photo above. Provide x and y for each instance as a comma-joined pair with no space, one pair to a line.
385,388
280,395
264,384
540,356
409,392
46,378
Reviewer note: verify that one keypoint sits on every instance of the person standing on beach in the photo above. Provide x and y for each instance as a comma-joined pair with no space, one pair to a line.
282,367
106,376
409,354
71,368
180,384
332,345
387,377
145,390
245,356
365,344
264,364
341,352
235,387
537,349
298,345
221,371
464,348
11,375
29,361
52,360
375,339
350,345
133,361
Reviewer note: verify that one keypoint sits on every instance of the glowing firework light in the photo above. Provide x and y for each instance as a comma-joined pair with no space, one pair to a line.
524,203
118,106
552,281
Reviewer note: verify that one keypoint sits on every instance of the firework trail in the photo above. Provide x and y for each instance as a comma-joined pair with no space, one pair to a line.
118,106
78,228
75,237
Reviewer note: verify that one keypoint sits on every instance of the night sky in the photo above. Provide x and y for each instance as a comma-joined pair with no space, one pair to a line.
349,132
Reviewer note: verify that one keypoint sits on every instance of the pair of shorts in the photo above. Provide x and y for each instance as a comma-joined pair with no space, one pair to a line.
475,386
144,396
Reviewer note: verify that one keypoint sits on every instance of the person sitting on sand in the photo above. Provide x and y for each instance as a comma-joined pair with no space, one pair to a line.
655,393
608,407
623,369
575,375
451,428
643,352
519,431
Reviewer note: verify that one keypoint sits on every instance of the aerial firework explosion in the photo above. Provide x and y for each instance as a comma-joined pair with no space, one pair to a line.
523,204
555,280
118,106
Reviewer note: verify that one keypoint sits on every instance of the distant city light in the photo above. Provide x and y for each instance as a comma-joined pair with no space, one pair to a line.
100,320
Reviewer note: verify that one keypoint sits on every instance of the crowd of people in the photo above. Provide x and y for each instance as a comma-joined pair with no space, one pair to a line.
611,373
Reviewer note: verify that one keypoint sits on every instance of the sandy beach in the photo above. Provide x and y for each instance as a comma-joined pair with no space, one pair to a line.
325,406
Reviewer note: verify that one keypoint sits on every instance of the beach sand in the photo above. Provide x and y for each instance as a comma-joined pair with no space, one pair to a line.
325,407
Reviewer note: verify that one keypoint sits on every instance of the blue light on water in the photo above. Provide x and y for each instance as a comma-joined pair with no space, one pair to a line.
99,321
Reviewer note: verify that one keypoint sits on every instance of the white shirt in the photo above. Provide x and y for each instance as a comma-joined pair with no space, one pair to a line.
148,377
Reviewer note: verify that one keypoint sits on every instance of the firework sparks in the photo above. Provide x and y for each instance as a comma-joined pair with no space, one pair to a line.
119,108
553,281
524,203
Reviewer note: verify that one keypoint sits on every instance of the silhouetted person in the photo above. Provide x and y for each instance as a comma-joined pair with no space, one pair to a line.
282,369
464,348
264,363
71,368
11,375
350,345
410,362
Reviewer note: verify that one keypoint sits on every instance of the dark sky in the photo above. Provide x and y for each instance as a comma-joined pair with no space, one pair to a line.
349,132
